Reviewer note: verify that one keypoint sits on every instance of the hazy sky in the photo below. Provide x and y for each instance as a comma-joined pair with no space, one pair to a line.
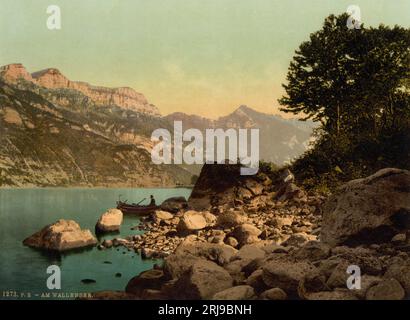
196,56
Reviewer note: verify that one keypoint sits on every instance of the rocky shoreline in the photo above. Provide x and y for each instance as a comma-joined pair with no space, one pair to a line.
263,237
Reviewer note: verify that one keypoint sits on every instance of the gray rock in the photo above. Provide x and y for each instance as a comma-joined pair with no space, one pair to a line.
368,210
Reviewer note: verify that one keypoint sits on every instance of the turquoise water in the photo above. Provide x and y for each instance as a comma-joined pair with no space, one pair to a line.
25,211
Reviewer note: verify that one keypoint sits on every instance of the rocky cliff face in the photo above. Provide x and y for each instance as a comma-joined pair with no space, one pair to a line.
45,144
126,98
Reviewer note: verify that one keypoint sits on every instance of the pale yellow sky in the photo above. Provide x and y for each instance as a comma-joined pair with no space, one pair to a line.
194,56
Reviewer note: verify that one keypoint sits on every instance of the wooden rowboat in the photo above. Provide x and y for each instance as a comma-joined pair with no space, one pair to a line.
127,208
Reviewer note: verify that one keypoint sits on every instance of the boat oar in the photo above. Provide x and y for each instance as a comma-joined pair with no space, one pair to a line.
141,201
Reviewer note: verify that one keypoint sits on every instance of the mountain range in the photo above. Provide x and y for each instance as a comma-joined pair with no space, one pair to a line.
59,132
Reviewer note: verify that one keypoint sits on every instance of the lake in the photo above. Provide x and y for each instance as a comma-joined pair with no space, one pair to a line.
25,211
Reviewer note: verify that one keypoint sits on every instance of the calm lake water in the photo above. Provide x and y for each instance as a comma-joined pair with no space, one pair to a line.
25,211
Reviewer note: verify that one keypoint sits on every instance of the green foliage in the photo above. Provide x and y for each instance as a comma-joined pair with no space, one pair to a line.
267,167
356,83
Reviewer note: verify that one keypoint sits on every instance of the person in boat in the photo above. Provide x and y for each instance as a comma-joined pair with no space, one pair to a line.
152,202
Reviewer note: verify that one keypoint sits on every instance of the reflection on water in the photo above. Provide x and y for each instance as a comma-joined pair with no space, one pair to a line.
25,211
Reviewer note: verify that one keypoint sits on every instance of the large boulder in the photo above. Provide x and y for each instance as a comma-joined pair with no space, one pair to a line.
62,235
210,190
188,253
202,281
109,221
191,221
388,289
369,210
174,204
286,274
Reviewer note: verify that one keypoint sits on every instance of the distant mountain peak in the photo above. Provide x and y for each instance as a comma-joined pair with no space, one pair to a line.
50,71
53,78
244,107
13,72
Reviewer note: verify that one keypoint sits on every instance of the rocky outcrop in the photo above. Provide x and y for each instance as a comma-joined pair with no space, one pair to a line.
264,270
372,210
109,221
62,235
